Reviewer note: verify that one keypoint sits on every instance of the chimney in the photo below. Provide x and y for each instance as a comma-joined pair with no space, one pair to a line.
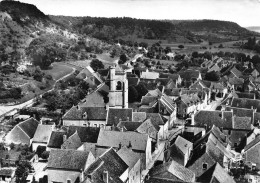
105,176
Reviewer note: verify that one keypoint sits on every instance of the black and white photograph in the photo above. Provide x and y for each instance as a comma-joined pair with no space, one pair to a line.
129,91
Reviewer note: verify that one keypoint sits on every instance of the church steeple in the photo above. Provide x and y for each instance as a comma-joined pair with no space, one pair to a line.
118,93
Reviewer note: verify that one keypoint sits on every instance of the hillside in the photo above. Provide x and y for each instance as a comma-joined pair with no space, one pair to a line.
254,28
171,30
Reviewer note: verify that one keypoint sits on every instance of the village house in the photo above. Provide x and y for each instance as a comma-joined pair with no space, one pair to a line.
187,105
42,136
189,77
133,161
22,132
246,103
180,150
68,165
108,167
251,152
140,143
7,175
170,172
90,76
85,116
216,174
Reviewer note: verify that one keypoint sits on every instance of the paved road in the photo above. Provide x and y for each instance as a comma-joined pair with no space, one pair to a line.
5,109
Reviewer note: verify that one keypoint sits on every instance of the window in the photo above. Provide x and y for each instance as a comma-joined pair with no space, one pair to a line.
68,181
204,166
119,86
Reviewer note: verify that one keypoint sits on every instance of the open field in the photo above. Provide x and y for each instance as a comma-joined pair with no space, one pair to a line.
58,70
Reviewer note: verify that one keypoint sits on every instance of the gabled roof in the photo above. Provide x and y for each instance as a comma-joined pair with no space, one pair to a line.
139,116
241,112
23,132
67,159
115,115
128,156
242,123
168,103
246,103
86,134
150,128
89,147
172,171
43,133
129,125
111,162
155,118
73,142
154,93
217,118
92,113
252,144
147,100
172,92
216,174
236,72
95,99
56,139
183,145
236,81
116,139
29,126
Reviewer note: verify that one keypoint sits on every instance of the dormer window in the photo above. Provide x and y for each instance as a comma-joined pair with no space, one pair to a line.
204,166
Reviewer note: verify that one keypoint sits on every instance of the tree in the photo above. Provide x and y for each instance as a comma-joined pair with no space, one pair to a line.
142,90
195,54
181,46
132,94
96,64
122,59
22,171
45,155
212,76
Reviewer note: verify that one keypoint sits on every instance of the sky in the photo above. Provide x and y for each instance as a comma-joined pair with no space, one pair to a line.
244,12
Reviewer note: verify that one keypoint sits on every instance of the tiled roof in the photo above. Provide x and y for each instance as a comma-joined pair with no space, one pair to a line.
111,162
73,142
90,147
216,174
86,134
147,109
154,93
217,118
94,99
173,169
43,133
150,128
246,95
252,144
183,145
139,116
168,103
147,100
67,159
163,81
246,103
172,92
56,139
155,118
241,112
116,115
93,113
114,139
149,75
236,81
129,125
29,126
236,72
128,156
7,172
242,123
